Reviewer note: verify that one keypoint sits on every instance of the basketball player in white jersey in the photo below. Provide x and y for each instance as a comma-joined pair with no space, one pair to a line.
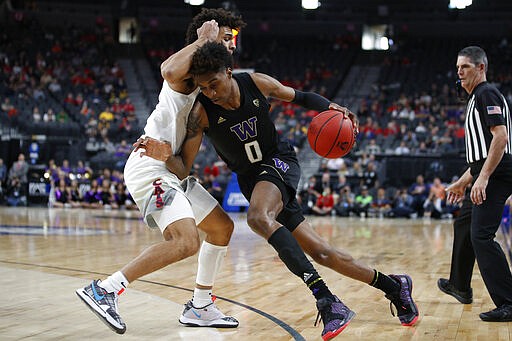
177,207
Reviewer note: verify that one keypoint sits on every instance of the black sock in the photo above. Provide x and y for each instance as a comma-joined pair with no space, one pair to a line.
318,287
296,261
384,283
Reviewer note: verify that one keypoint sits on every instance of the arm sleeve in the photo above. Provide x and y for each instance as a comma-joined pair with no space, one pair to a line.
311,100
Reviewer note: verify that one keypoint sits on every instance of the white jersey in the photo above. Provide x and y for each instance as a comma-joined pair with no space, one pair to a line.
167,122
169,119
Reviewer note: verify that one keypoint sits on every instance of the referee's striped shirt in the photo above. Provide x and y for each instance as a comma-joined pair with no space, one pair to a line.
486,107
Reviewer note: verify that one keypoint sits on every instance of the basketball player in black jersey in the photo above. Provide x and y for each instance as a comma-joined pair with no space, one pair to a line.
233,111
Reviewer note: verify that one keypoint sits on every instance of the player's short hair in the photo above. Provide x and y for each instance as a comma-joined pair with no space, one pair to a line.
211,57
475,54
220,15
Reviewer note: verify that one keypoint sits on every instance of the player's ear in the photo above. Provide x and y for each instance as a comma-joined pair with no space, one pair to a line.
229,72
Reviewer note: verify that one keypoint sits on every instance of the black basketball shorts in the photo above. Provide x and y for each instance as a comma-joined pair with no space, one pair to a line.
283,170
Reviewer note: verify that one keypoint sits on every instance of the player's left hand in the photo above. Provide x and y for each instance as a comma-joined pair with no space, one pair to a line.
153,148
478,195
348,113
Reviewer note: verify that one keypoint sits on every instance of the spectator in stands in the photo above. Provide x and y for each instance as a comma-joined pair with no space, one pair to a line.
128,106
16,192
62,195
363,202
121,154
324,204
313,191
341,183
402,205
105,118
92,196
76,197
369,178
106,195
81,170
334,165
345,203
123,150
419,192
49,116
436,200
54,86
9,108
36,115
373,147
381,204
65,168
19,170
422,149
402,149
122,198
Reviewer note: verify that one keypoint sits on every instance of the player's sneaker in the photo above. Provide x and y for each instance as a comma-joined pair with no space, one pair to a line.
103,304
407,310
335,315
207,316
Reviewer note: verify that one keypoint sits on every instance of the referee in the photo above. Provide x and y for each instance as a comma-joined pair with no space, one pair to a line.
488,153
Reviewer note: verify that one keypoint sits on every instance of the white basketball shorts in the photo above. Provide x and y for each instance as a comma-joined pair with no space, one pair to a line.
161,197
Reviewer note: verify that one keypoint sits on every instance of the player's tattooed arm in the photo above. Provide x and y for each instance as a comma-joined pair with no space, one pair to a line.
197,123
193,125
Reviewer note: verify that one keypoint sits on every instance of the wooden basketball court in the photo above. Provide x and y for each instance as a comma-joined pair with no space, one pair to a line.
46,254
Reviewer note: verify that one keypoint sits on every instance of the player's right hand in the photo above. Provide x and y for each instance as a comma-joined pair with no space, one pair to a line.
153,148
209,30
346,111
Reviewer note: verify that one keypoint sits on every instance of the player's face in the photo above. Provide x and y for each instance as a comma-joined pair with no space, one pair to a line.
227,38
216,86
468,73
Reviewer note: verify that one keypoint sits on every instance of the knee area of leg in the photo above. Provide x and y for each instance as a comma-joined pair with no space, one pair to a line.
192,246
480,238
256,221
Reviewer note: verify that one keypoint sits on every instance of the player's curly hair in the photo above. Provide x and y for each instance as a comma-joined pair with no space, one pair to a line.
220,15
211,57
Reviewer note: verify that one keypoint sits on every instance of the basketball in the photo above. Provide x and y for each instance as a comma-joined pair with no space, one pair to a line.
331,134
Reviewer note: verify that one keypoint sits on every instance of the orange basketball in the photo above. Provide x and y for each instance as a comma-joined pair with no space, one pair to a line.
331,134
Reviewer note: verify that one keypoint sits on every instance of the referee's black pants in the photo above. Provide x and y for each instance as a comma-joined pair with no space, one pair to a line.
463,255
490,257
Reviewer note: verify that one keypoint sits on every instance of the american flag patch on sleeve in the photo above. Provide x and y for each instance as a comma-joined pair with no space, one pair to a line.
493,110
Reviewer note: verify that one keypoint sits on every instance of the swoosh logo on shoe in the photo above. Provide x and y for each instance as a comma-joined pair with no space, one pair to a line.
96,296
197,315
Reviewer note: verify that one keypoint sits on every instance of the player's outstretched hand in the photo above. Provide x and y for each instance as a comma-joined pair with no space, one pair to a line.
348,113
155,149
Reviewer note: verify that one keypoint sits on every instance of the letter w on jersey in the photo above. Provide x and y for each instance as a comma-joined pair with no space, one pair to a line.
245,129
493,110
280,164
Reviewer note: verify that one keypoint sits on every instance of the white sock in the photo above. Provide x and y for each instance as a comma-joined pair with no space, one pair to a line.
115,283
202,297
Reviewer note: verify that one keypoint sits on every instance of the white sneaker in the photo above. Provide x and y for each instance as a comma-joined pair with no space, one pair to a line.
103,304
207,316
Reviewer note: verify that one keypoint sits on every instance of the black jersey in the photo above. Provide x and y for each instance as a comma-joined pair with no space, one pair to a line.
486,107
245,136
